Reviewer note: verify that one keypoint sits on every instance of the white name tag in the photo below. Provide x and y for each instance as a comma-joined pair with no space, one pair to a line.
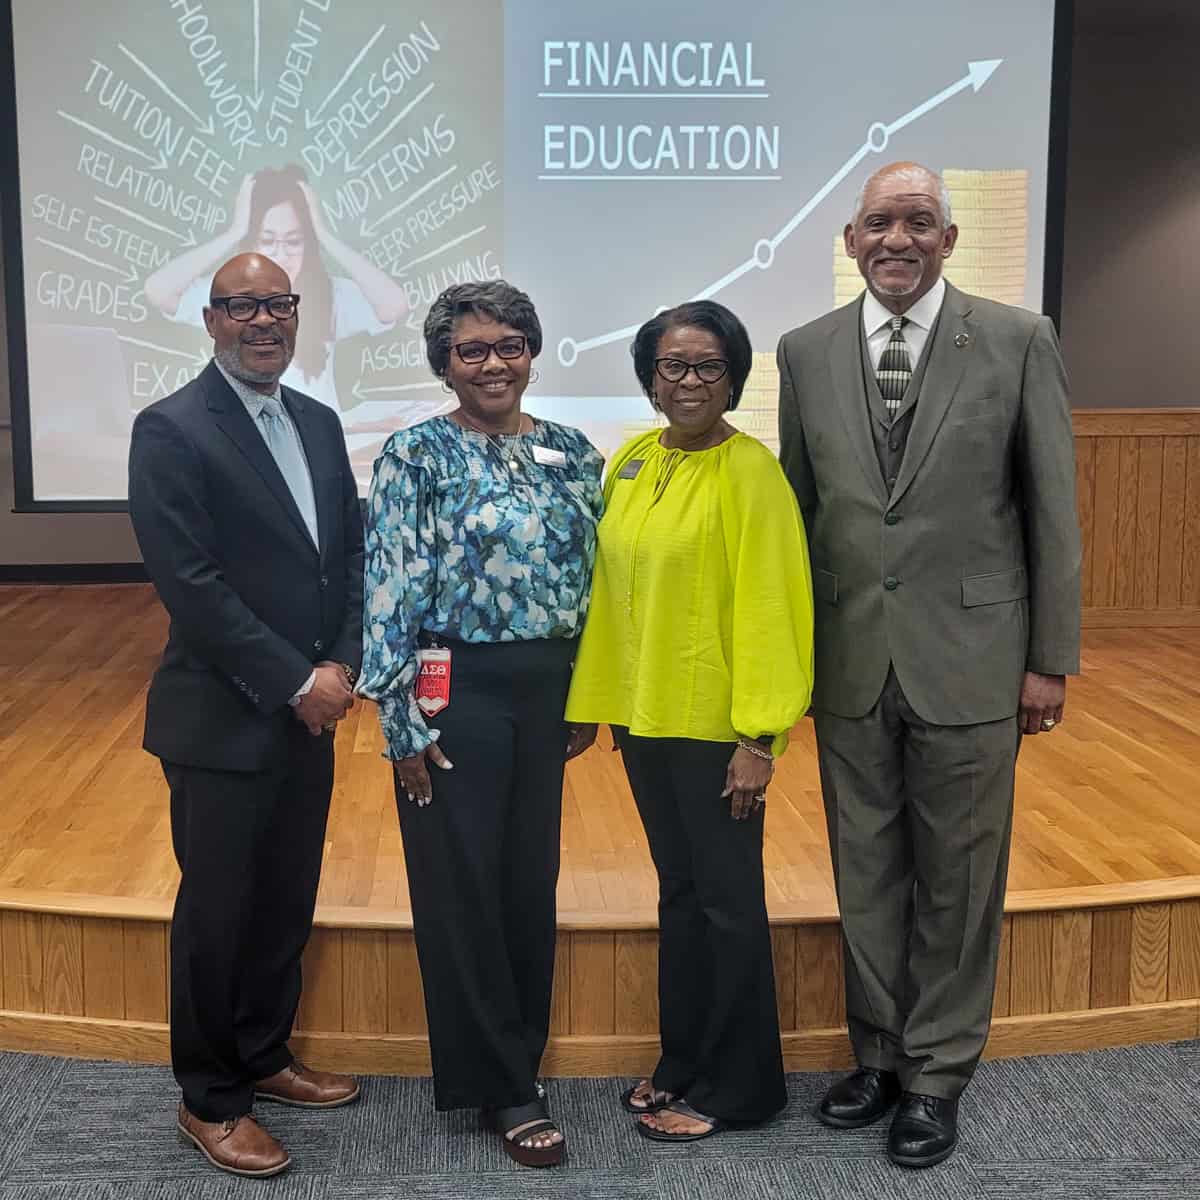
548,457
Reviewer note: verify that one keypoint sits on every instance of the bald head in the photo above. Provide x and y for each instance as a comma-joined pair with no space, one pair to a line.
917,174
244,273
256,351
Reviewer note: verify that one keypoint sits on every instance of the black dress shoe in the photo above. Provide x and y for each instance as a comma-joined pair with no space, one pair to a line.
924,1130
859,1099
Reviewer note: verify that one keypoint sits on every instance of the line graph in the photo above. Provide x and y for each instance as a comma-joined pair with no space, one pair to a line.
762,258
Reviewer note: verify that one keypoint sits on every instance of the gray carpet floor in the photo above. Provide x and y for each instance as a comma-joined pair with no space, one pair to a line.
1120,1123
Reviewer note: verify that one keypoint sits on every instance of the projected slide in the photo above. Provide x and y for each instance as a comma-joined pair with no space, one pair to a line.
610,159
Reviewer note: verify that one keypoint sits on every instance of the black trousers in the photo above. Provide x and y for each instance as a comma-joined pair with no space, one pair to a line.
716,981
482,864
249,847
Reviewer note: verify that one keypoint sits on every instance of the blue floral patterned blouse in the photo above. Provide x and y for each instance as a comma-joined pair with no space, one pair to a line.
482,539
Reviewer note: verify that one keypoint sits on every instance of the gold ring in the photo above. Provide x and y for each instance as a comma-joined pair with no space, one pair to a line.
1049,723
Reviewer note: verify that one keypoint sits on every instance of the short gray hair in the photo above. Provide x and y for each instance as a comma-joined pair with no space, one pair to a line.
914,174
494,298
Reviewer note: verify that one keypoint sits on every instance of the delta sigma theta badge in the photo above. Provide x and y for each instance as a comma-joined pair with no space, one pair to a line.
433,680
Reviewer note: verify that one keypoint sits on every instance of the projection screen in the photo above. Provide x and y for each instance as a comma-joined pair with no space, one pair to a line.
609,159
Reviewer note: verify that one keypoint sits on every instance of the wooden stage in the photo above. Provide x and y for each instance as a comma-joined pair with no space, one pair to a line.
1101,943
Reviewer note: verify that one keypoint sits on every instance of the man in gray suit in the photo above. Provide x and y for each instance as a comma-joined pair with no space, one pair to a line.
927,434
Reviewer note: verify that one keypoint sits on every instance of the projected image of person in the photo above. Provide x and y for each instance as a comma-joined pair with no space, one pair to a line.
481,531
277,214
698,652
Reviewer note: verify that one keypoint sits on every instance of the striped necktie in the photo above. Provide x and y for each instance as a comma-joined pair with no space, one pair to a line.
284,443
895,367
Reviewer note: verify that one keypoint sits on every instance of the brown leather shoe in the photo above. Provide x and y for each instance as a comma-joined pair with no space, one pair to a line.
240,1145
305,1088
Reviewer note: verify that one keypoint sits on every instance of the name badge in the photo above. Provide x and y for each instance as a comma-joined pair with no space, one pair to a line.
433,680
548,457
630,469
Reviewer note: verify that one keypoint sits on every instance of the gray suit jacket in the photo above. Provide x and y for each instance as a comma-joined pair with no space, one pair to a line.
967,575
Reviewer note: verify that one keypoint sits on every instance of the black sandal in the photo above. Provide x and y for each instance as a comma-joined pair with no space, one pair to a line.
653,1106
532,1115
684,1109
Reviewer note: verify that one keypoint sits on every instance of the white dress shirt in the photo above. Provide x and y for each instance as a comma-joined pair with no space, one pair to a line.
921,318
253,402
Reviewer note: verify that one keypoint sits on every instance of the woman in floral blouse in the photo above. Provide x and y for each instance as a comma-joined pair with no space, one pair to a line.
481,532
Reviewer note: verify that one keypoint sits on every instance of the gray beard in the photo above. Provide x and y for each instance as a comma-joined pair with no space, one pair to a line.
232,362
901,291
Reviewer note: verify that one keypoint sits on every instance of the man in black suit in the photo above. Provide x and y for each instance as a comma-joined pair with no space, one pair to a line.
247,515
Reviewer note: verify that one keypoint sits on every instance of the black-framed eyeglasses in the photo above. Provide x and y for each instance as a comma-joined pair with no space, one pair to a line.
674,370
245,308
474,352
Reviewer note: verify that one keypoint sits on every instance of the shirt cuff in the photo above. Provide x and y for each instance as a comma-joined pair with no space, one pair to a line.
404,729
304,689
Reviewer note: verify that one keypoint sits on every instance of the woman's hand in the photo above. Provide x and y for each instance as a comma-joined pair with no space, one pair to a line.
746,780
579,738
412,774
240,225
316,213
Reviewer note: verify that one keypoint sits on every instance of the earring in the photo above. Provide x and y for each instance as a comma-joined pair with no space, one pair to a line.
534,375
447,388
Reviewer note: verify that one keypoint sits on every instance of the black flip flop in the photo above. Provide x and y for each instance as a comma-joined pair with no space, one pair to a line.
637,1109
684,1109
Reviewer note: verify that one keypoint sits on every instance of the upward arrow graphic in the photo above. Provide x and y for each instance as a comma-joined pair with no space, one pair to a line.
878,136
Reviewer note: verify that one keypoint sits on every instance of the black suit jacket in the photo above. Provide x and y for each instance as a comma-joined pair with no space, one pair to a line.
253,603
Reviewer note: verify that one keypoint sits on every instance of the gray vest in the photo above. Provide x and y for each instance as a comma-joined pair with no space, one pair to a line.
888,432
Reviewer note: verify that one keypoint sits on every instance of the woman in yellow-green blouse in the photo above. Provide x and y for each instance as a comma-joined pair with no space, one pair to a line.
698,652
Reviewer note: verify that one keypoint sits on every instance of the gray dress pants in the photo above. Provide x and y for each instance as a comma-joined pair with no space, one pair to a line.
920,819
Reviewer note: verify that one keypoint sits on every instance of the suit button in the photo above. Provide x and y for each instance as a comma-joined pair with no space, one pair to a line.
891,583
318,645
892,519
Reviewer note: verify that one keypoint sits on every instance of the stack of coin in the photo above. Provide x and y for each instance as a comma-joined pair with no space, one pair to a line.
758,412
632,429
991,210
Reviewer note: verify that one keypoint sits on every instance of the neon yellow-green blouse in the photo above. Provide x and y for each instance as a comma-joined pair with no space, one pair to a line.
701,617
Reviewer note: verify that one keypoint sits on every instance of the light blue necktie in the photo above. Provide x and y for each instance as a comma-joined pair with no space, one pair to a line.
284,444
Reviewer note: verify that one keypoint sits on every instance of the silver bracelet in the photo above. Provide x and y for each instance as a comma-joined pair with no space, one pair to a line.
755,749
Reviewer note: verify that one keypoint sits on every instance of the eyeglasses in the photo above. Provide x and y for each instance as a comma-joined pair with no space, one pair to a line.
674,370
269,242
245,308
473,353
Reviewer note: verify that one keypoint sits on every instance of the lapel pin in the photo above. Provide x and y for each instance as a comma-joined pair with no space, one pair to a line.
962,340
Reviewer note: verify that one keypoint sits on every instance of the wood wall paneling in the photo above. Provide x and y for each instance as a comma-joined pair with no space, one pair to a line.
1149,956
1071,960
820,981
1112,945
1138,496
1183,978
1068,977
62,955
593,983
1001,1004
104,968
145,967
405,1000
